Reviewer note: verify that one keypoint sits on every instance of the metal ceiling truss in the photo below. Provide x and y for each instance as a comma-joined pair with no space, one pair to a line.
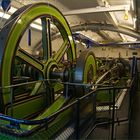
104,35
96,10
99,26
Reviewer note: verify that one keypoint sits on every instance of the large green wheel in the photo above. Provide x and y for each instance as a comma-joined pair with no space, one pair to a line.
85,72
10,50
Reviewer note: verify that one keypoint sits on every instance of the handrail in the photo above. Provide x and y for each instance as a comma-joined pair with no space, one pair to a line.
42,121
111,121
104,123
16,123
45,80
20,121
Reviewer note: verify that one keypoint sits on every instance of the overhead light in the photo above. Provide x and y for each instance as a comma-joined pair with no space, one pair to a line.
126,12
36,24
33,25
12,10
4,15
126,15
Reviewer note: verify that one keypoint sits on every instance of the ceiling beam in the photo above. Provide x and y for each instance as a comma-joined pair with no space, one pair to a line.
121,43
104,35
109,27
111,16
96,10
137,14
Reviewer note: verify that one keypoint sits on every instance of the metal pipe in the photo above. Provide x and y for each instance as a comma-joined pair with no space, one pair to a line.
96,10
98,26
113,116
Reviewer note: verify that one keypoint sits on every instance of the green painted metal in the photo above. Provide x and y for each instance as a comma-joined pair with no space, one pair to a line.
26,107
61,51
23,55
52,109
11,51
46,40
48,14
17,30
37,10
90,65
85,71
85,63
44,134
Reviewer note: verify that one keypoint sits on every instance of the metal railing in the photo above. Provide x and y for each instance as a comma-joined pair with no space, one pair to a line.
86,114
79,122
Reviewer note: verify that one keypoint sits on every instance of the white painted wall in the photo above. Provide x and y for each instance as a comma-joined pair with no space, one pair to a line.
116,52
36,36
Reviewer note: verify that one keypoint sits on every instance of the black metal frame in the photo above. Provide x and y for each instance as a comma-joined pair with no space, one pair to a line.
45,121
15,123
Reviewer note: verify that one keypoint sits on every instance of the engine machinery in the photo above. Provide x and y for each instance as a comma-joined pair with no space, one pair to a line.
30,87
37,100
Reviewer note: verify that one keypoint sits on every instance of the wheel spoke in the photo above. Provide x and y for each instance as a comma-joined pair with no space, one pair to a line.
36,88
61,51
24,56
46,38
